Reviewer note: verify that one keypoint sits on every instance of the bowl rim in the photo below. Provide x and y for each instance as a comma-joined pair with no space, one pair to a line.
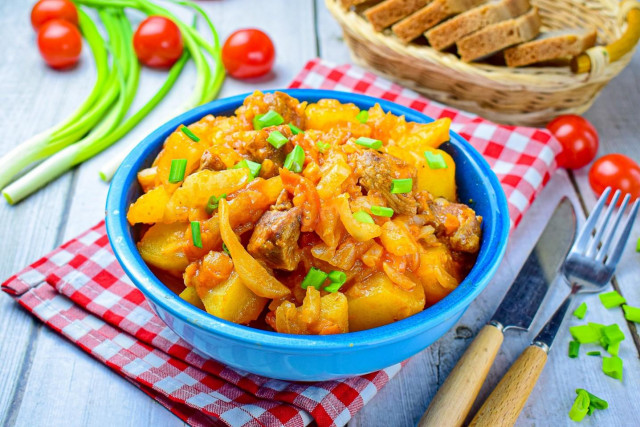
456,302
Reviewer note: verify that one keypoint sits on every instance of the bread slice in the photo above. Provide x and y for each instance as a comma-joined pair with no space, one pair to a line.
348,3
550,46
496,37
389,12
414,25
449,32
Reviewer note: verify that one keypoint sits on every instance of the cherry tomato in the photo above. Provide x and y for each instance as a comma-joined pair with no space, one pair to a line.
579,140
248,53
158,42
60,43
618,172
46,10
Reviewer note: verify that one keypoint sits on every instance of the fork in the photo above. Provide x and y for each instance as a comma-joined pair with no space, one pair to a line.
588,268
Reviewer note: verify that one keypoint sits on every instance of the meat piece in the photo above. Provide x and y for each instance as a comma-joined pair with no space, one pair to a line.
377,170
457,222
289,108
282,202
275,239
211,161
254,145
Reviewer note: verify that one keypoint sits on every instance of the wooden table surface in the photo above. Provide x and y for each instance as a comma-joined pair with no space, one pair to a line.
45,380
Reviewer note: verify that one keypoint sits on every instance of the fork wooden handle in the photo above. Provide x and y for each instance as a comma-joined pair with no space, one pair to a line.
451,404
505,402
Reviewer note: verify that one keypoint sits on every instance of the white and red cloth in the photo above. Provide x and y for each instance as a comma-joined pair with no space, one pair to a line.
80,291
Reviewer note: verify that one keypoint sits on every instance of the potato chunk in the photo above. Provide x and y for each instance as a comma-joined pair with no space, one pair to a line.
162,244
149,208
376,301
233,301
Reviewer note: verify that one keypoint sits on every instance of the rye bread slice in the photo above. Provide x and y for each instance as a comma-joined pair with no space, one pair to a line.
550,46
417,23
449,32
495,37
389,12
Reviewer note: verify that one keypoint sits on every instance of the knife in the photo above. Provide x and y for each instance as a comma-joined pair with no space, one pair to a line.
453,401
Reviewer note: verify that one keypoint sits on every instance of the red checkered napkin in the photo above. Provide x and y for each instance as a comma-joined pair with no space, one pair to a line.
80,291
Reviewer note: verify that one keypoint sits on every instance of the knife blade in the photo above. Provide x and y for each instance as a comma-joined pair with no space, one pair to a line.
521,303
451,404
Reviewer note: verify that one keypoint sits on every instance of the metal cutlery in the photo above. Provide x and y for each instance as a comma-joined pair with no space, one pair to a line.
588,268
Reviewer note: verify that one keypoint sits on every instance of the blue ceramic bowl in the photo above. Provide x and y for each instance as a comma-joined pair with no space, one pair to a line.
298,357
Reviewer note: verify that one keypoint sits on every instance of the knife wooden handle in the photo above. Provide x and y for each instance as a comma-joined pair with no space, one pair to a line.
451,404
505,402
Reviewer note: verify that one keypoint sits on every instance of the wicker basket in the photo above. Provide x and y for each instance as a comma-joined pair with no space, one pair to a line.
523,96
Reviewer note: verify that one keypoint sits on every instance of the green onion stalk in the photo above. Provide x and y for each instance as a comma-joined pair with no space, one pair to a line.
70,130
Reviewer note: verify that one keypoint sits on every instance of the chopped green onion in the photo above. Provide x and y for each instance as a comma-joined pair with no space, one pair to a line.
295,129
225,249
638,245
314,278
382,211
612,299
363,116
581,311
594,401
612,366
323,146
613,349
254,168
277,139
435,160
337,278
195,234
268,119
190,134
401,186
612,334
363,217
178,168
585,334
580,406
213,202
593,353
295,160
574,349
632,314
375,144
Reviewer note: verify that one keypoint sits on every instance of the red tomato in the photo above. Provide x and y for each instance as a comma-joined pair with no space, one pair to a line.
618,172
158,42
579,140
248,53
46,10
60,43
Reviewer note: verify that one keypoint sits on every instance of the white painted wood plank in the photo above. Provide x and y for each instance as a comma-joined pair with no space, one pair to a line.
86,387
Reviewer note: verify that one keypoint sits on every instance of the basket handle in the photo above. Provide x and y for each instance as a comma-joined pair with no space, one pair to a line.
614,51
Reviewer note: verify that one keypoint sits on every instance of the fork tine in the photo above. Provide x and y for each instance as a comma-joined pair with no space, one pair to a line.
593,247
617,252
592,220
614,228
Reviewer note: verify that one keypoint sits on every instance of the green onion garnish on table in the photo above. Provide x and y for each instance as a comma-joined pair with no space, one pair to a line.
401,186
315,278
195,234
611,299
363,116
612,366
177,171
277,139
580,311
213,203
190,134
382,211
295,160
294,129
593,353
363,217
580,406
271,118
435,160
374,144
585,334
632,314
612,334
613,349
254,168
574,349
